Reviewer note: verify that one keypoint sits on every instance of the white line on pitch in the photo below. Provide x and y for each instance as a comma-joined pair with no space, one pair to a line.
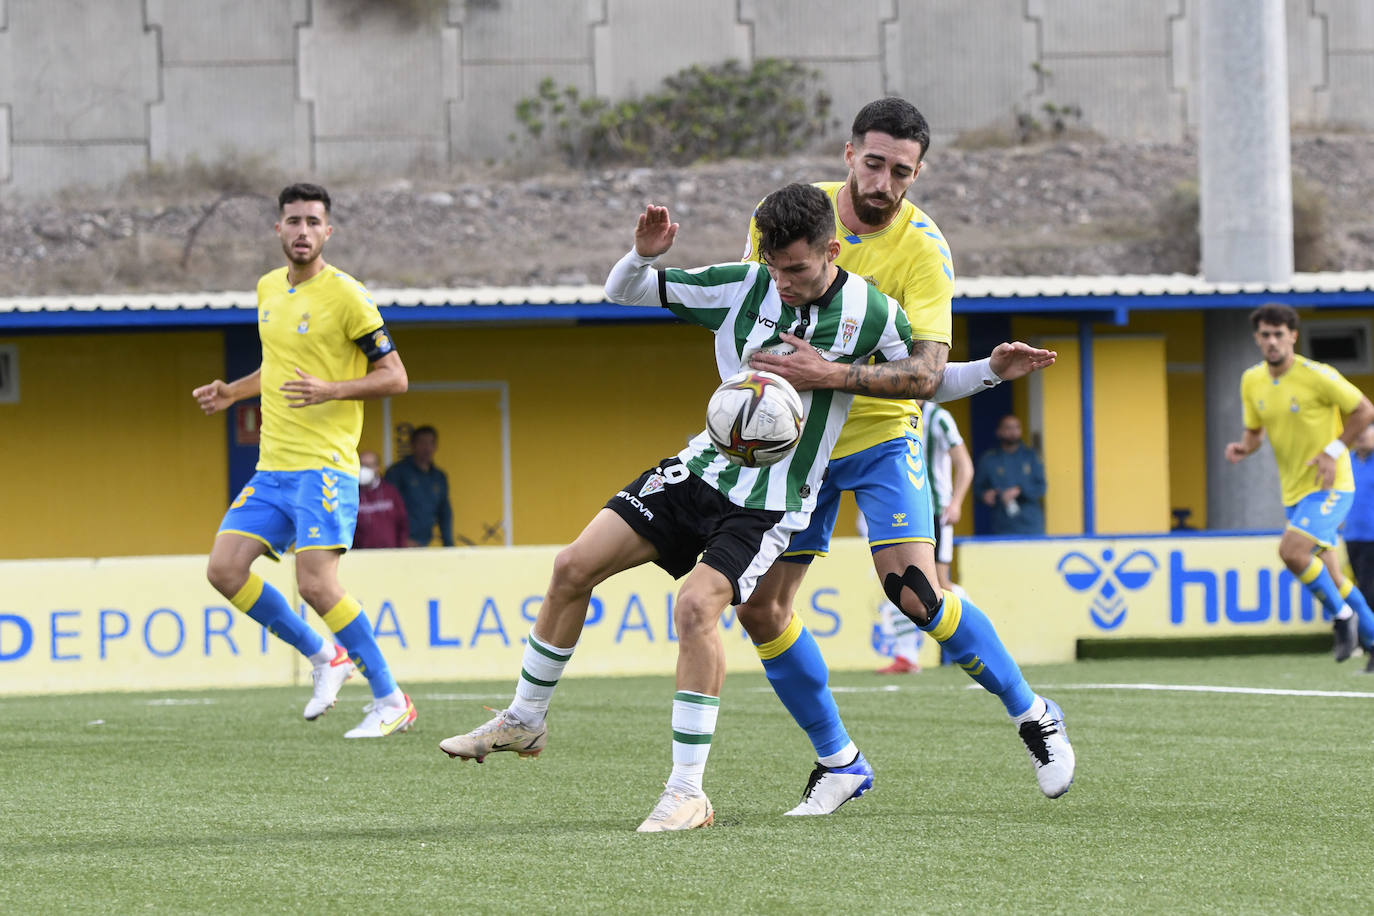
889,688
1202,688
462,696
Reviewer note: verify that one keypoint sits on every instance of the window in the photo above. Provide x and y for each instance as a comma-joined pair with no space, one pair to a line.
1343,343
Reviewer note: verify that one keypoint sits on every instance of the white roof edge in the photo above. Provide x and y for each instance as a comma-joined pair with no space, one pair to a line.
964,288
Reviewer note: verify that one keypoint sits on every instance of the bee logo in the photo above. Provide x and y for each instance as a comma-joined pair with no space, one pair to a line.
1108,582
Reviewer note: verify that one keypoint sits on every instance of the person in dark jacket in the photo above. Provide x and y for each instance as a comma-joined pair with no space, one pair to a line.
424,488
1011,481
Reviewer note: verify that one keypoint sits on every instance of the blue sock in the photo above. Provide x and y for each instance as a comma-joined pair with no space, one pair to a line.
1317,580
269,607
354,632
800,678
1355,598
969,638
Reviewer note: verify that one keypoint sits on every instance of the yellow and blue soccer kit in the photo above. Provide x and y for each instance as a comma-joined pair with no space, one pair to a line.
305,490
879,457
1301,411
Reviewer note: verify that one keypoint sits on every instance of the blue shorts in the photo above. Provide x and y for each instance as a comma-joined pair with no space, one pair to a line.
313,510
1319,514
888,481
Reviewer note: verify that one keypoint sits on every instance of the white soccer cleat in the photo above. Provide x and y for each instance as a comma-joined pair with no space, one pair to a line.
830,787
381,721
328,678
1051,754
502,733
677,811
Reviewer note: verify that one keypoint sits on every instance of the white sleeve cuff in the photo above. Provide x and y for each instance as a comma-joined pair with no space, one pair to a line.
632,281
963,379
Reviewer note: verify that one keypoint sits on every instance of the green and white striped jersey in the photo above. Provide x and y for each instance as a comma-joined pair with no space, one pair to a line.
941,434
849,323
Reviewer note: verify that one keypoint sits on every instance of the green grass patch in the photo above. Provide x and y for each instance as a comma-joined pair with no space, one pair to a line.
227,801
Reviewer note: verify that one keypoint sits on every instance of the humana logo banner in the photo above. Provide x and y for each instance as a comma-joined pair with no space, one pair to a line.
1052,592
1239,596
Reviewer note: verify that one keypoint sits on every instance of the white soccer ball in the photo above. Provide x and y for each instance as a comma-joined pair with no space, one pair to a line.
755,418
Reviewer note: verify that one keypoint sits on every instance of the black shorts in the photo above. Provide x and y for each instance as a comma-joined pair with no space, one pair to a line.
944,542
688,520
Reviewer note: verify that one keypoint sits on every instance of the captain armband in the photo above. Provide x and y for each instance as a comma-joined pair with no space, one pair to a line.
376,344
963,379
1336,448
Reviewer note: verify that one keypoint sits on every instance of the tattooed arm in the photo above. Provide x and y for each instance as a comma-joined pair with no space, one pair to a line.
917,376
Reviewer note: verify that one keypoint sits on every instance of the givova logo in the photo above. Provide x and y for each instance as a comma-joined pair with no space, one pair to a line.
1108,580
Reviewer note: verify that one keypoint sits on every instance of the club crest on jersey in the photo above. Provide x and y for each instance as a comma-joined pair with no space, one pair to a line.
848,329
304,324
651,486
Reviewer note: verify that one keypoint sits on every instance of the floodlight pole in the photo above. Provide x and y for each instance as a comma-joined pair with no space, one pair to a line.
1246,228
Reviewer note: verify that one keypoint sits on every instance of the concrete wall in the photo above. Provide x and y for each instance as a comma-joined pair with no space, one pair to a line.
91,90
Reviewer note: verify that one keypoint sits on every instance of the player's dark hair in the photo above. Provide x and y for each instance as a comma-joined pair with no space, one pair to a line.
797,211
1274,313
302,191
895,117
422,430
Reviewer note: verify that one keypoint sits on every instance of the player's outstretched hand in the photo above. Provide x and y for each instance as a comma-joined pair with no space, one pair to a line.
1014,360
1235,451
213,397
306,390
654,232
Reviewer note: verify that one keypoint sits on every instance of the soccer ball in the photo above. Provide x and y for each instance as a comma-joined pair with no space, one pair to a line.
755,418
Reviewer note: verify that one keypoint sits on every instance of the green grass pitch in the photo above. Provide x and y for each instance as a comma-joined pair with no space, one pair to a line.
227,801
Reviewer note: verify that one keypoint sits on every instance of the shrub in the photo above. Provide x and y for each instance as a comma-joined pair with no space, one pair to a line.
702,113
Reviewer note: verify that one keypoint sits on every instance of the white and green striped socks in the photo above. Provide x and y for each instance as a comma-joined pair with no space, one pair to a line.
540,670
694,722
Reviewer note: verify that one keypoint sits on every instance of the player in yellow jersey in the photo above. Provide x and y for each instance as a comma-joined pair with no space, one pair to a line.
879,457
324,350
1300,404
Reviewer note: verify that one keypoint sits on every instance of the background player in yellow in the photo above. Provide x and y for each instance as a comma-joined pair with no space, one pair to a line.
1312,416
324,349
879,457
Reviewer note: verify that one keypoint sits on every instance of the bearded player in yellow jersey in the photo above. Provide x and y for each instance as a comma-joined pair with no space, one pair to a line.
888,240
324,350
1300,403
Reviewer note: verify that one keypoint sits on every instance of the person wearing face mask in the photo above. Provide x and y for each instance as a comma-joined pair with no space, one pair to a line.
382,519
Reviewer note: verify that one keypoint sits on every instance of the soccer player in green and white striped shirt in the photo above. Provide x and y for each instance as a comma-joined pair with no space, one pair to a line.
696,514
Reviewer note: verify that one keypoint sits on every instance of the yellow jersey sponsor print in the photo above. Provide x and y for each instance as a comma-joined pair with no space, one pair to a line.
1300,412
312,327
911,262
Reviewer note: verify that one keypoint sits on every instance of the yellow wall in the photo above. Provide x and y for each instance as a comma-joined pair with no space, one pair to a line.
591,407
105,454
1184,352
1130,436
1062,440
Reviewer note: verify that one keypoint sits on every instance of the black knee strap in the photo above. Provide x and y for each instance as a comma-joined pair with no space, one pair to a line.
915,580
